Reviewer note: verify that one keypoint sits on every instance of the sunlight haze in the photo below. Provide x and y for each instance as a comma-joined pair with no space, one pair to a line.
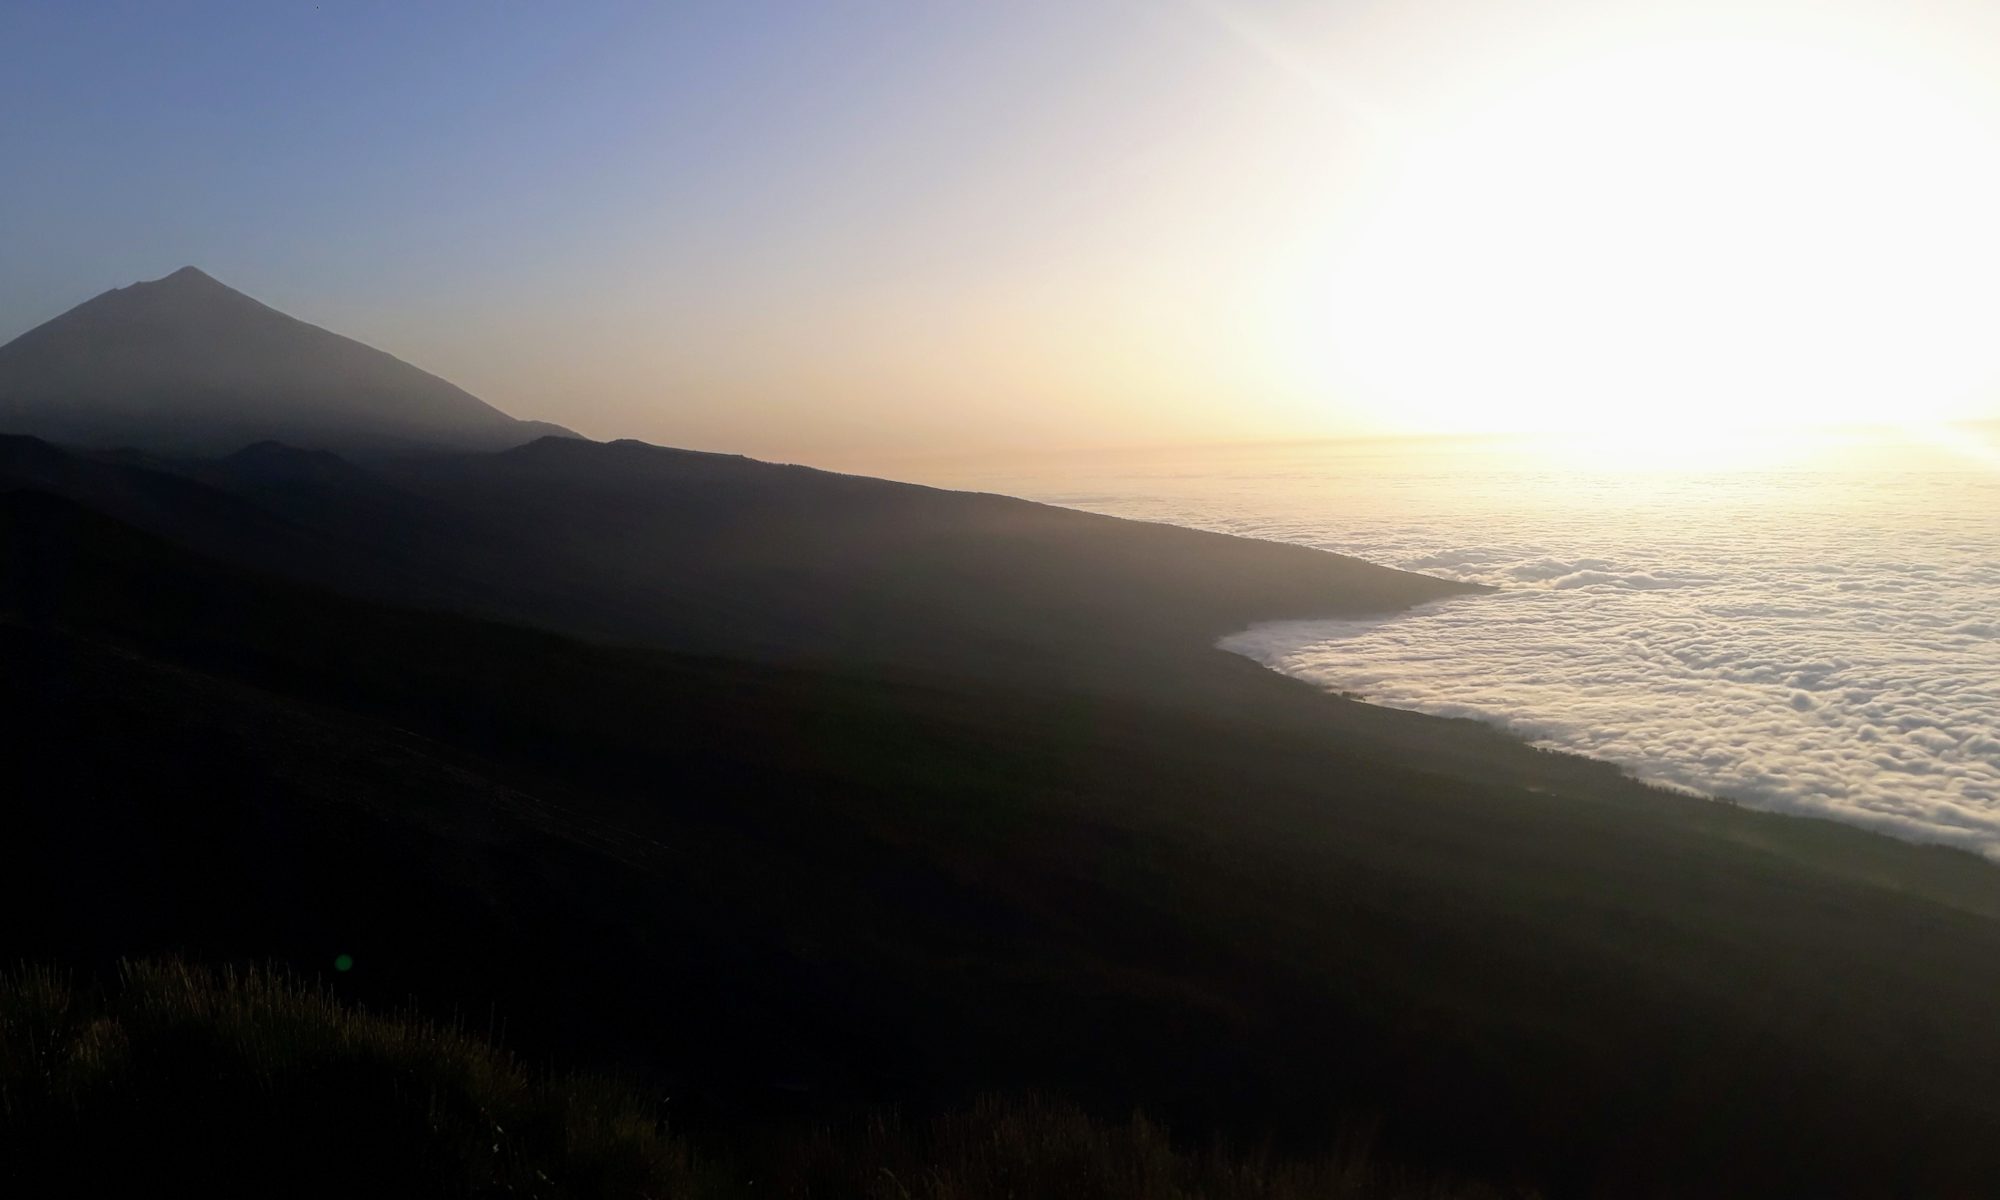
1044,225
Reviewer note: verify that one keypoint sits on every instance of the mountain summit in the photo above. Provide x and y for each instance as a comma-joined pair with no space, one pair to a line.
187,364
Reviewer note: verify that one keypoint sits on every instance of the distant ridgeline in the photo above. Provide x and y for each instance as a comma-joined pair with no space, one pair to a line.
778,788
717,554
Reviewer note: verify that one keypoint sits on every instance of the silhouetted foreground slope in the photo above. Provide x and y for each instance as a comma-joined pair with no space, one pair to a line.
184,1081
187,364
720,553
717,554
1253,914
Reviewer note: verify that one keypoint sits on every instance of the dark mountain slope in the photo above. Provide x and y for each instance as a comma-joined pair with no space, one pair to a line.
843,563
722,554
185,364
717,554
243,524
749,875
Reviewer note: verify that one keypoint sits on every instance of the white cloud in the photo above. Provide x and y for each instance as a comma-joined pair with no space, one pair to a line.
1783,681
1824,642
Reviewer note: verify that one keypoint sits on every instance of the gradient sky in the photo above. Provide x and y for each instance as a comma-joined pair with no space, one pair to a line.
827,228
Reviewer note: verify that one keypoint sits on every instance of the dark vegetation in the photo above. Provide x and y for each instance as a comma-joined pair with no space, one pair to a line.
180,1080
787,794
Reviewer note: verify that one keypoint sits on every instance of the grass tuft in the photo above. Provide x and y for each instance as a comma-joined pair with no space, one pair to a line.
180,1079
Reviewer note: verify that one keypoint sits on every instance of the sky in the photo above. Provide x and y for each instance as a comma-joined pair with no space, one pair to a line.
820,230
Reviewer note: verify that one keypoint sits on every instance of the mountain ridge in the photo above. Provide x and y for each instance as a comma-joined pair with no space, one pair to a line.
713,553
188,364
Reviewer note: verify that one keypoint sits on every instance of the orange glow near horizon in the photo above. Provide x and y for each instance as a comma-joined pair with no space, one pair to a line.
1663,228
958,229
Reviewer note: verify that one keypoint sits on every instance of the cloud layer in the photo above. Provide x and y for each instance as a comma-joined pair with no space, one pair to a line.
1816,642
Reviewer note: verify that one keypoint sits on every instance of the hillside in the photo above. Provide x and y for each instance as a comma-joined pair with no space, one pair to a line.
772,888
186,364
718,554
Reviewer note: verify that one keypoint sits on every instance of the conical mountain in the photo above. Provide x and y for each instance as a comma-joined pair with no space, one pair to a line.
186,364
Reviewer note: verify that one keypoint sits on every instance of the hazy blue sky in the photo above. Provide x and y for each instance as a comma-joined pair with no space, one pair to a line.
844,225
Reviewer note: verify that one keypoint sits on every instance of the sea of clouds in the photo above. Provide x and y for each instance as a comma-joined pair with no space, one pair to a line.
1813,641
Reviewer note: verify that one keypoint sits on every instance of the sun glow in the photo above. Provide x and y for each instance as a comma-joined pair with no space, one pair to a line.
1674,236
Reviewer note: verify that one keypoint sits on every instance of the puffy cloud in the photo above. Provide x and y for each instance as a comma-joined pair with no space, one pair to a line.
1770,686
1817,641
1823,642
